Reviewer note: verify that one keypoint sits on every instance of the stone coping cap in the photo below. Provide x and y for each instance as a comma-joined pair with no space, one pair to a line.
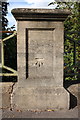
40,14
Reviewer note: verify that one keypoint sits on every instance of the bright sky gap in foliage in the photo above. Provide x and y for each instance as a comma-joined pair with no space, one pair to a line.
25,4
29,4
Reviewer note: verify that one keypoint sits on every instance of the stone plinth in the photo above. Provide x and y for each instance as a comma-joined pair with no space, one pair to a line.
40,43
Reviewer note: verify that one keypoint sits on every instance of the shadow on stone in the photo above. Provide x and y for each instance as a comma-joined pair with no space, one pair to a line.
26,53
73,101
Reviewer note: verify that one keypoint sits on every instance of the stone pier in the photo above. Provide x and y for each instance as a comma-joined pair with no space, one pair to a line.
40,48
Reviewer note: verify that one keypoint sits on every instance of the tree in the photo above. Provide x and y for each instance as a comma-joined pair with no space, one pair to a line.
73,21
10,46
4,14
72,39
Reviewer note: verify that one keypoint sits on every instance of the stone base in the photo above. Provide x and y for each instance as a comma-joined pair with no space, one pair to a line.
41,98
6,89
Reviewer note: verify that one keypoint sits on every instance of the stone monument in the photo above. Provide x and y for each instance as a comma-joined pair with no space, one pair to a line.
40,48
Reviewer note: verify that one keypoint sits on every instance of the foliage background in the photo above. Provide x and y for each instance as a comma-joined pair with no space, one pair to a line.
72,40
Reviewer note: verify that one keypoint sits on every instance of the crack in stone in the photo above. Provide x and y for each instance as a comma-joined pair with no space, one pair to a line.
11,95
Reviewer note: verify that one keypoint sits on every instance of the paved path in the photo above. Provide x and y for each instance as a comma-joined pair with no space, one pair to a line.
73,113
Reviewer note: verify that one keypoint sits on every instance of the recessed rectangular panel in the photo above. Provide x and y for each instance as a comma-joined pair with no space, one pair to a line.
40,53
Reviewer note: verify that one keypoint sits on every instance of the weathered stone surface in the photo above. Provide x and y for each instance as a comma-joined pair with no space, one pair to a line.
42,98
40,59
74,89
40,14
5,93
